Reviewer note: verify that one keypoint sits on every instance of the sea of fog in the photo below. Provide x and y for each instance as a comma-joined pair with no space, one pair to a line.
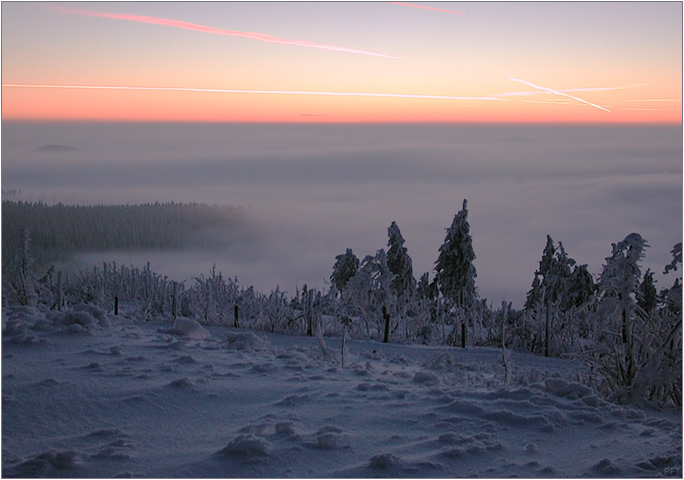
313,191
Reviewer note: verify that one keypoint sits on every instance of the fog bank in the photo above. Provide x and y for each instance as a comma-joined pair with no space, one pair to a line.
314,190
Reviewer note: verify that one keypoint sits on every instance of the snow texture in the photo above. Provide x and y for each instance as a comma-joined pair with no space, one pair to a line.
88,394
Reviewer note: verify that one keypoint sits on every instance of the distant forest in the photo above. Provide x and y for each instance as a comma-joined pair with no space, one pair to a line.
57,231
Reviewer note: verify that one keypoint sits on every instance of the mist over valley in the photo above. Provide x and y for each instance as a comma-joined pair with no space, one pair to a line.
309,192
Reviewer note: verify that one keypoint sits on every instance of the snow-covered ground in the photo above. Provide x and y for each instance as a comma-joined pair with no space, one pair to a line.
87,394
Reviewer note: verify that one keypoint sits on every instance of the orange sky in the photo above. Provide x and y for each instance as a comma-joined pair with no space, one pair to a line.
589,71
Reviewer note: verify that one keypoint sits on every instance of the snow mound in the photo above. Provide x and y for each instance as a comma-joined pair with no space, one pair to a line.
330,438
80,319
606,469
247,447
385,461
286,428
425,378
440,361
48,464
245,341
182,384
571,390
186,327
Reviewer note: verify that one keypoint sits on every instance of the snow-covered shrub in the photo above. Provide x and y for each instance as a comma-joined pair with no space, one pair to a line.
367,292
187,327
636,355
81,318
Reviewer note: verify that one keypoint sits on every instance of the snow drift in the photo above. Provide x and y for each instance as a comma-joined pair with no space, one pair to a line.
145,399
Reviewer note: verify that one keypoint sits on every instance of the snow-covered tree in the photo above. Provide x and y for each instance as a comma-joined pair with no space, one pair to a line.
369,290
18,277
426,289
400,264
455,272
579,289
676,258
624,342
559,289
552,278
619,283
344,269
647,296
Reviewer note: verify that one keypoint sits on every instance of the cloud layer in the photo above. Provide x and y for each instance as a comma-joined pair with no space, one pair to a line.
316,190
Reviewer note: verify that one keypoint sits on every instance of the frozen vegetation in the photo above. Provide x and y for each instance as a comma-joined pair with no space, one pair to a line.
118,371
60,230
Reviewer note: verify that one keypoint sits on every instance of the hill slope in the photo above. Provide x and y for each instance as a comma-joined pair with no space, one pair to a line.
88,394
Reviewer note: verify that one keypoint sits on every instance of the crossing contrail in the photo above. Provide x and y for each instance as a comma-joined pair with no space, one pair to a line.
217,31
558,92
568,90
260,92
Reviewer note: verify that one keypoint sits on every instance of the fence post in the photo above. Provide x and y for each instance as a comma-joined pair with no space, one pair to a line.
116,305
463,334
174,301
309,314
236,311
60,292
387,323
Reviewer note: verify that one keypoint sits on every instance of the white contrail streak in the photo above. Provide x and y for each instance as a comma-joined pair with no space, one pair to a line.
216,31
569,90
260,92
656,100
557,92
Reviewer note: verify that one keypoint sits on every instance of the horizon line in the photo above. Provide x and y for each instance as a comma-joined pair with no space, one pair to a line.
345,122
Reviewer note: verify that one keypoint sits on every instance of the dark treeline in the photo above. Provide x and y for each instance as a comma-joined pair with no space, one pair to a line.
59,230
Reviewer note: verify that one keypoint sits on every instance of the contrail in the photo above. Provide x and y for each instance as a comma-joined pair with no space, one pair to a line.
656,100
428,8
260,92
217,31
595,89
568,90
557,92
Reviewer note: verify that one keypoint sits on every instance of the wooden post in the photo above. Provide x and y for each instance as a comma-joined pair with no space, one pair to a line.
116,305
174,302
309,314
546,331
463,334
387,323
60,292
236,311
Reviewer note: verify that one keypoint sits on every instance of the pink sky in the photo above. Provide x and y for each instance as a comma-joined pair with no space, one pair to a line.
343,62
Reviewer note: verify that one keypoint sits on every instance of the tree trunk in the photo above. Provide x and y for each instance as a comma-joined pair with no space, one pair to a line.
627,339
174,300
546,331
60,292
309,314
387,323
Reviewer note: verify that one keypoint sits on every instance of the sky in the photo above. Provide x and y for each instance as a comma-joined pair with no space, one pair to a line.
314,62
306,92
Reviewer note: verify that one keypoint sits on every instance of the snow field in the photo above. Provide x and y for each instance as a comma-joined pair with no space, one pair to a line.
88,394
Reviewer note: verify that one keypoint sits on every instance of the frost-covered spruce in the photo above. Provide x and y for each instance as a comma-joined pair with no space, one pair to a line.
619,283
368,291
455,272
344,269
400,263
